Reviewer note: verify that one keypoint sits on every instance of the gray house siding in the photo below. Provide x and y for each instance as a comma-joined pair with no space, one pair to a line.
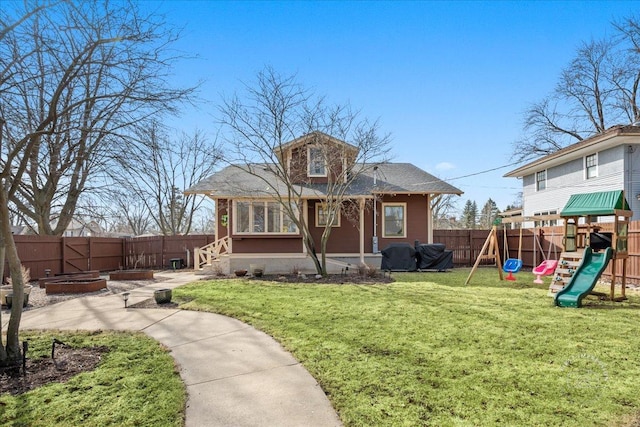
570,178
632,178
617,168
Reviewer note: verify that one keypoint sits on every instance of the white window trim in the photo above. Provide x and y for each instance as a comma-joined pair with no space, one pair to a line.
584,163
266,219
319,206
309,148
404,219
546,223
546,178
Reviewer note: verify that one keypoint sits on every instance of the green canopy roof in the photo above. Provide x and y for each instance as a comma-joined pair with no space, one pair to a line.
602,203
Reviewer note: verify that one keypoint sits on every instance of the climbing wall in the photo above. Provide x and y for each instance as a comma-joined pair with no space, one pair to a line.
567,265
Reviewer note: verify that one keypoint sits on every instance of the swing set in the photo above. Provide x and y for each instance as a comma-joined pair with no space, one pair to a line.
512,266
491,252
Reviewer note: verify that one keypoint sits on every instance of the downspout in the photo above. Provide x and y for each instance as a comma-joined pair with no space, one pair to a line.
629,190
361,228
429,220
375,212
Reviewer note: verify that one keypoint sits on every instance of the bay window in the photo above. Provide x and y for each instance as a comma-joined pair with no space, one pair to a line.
262,217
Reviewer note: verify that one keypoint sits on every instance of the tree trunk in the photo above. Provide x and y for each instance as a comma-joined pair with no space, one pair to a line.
311,251
13,353
3,353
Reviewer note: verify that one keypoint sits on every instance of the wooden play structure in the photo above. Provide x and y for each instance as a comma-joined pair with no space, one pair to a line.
595,224
580,232
489,252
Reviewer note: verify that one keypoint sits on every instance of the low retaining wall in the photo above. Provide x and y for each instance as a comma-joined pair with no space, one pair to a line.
75,286
131,275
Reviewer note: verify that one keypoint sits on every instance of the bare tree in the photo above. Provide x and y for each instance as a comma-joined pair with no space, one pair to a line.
277,110
598,89
442,208
156,172
96,69
73,76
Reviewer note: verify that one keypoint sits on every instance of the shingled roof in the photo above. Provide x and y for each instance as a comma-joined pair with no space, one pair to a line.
251,181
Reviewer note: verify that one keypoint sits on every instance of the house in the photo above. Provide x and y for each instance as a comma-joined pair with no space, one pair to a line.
604,162
80,228
383,204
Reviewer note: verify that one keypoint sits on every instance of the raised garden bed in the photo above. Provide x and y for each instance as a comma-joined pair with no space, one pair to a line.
131,275
75,286
62,277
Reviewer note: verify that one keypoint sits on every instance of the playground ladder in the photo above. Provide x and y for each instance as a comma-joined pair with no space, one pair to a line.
567,265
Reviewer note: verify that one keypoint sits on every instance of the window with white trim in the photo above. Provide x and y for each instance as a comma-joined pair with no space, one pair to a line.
591,166
541,180
547,222
262,217
394,223
316,165
321,216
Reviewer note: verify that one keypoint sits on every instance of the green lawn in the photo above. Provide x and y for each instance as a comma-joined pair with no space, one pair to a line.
427,350
136,384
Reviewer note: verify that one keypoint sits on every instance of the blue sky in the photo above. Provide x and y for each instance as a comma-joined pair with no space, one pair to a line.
448,80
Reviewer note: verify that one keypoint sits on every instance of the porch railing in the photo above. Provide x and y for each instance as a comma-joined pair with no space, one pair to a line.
206,255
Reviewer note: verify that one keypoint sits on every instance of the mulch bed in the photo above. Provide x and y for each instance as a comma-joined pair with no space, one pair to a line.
67,363
336,279
151,303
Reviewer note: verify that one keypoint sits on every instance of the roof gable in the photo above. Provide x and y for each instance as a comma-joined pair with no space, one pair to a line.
311,138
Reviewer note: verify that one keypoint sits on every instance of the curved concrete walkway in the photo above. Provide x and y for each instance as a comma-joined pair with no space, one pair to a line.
235,375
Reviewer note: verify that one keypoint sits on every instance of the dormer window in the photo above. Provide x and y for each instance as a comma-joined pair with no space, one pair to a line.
317,165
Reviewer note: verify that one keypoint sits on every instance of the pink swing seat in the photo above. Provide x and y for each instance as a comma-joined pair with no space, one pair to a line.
545,268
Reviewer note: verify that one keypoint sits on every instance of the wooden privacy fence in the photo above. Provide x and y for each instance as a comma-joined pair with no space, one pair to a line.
61,255
64,255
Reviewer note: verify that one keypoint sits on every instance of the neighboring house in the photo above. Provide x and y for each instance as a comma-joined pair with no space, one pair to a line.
251,228
77,228
604,162
20,229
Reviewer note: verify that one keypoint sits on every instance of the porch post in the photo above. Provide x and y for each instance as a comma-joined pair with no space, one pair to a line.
429,220
305,215
362,203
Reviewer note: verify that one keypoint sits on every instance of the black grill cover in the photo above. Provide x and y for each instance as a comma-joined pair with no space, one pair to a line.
434,257
399,257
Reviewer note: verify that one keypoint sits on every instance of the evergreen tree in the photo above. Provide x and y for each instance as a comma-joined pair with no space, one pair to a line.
488,214
469,214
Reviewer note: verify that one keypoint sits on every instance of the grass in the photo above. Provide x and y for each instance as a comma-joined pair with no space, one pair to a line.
427,350
135,384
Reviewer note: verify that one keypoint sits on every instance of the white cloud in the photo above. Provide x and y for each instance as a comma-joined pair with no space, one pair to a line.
445,166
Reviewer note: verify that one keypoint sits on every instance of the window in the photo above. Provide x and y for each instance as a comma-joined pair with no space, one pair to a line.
546,222
321,216
317,165
591,166
395,220
541,180
262,217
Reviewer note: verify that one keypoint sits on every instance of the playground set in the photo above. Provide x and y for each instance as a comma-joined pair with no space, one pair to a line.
587,249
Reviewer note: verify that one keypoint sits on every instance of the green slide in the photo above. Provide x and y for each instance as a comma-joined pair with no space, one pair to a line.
584,279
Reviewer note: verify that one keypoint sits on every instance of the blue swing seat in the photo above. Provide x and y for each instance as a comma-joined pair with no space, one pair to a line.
512,265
